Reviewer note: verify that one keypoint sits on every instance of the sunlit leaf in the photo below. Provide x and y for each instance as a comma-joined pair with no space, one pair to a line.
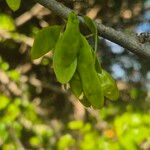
6,22
14,75
65,142
35,141
45,41
4,101
75,125
14,4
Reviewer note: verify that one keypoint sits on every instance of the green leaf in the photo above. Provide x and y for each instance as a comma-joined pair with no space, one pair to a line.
89,77
45,41
35,141
12,113
98,66
109,86
76,85
66,50
65,142
14,75
6,22
64,74
13,4
4,101
77,90
92,26
85,102
75,125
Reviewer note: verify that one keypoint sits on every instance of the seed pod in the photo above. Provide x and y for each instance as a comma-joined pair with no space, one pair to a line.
109,86
76,85
85,102
89,77
97,64
66,50
45,41
77,90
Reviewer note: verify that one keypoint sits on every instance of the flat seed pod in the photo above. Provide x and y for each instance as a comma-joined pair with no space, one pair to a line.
64,74
66,50
97,64
89,77
68,44
109,86
76,85
92,26
84,101
45,41
77,90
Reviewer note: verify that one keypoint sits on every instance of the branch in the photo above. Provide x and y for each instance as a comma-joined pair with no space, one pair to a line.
36,11
127,41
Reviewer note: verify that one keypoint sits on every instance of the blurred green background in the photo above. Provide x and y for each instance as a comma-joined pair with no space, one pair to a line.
35,110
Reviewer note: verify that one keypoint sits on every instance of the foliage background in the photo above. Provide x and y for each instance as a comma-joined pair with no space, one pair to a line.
35,111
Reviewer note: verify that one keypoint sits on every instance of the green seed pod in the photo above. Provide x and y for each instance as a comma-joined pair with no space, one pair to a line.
97,64
76,85
84,101
109,86
66,50
89,77
77,90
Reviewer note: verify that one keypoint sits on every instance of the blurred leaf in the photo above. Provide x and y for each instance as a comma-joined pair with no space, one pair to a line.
14,75
43,130
134,93
3,132
14,4
4,101
6,22
12,113
65,142
131,130
30,113
75,125
4,66
90,141
35,141
9,146
86,128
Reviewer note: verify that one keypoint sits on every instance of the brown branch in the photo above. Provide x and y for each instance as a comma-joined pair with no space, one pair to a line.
36,11
127,41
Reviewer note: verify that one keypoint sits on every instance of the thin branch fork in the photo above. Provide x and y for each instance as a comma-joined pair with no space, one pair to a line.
129,42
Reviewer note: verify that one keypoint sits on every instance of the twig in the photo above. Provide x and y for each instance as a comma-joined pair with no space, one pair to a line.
127,41
16,37
36,10
144,37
